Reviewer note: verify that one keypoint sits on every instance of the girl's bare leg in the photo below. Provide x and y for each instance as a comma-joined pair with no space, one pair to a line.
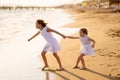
78,60
58,60
43,54
82,61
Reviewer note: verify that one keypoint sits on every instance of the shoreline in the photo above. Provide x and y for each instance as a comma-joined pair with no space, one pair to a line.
105,64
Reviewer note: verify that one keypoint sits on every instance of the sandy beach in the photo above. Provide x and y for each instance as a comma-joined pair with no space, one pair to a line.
105,65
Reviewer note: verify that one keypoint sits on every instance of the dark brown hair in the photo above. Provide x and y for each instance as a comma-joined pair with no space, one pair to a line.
41,22
84,30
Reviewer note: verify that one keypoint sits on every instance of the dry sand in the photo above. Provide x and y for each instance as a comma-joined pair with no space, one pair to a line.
105,65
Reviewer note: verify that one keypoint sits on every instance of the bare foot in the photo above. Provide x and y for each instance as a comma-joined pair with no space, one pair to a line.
76,67
60,69
83,68
45,67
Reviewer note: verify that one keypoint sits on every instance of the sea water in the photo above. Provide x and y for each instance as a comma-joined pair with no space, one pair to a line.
19,59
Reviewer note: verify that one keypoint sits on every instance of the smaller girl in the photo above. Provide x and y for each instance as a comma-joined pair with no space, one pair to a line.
52,44
86,48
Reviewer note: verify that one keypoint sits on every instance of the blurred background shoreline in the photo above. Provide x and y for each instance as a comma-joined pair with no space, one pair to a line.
75,4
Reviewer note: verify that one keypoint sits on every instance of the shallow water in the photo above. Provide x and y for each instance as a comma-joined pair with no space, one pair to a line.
19,59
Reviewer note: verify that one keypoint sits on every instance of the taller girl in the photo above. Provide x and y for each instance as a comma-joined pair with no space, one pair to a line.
52,44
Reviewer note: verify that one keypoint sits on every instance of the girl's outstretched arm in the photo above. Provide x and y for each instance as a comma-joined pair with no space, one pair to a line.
51,30
90,39
71,37
34,36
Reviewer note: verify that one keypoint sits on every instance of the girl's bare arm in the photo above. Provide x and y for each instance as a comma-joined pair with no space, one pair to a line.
34,35
71,37
51,30
90,39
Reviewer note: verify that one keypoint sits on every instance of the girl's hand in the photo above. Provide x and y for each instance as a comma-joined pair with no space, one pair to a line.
34,36
63,36
29,40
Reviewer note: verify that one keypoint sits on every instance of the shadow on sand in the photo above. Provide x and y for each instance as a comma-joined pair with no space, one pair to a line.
62,76
77,76
102,75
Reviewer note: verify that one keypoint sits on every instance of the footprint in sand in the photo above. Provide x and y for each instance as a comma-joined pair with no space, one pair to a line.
105,52
117,76
100,52
118,56
113,33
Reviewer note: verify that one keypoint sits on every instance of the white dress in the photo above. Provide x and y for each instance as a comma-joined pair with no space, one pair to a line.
52,44
86,47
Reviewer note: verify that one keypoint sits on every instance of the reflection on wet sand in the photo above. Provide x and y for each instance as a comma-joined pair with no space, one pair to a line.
47,76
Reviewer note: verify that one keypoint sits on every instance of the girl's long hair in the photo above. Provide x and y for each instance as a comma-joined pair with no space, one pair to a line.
41,22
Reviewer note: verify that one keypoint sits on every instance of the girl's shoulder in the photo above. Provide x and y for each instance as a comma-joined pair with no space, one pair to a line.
84,38
44,28
87,37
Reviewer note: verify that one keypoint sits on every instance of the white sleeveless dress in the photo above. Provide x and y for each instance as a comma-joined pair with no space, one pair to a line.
52,44
86,47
